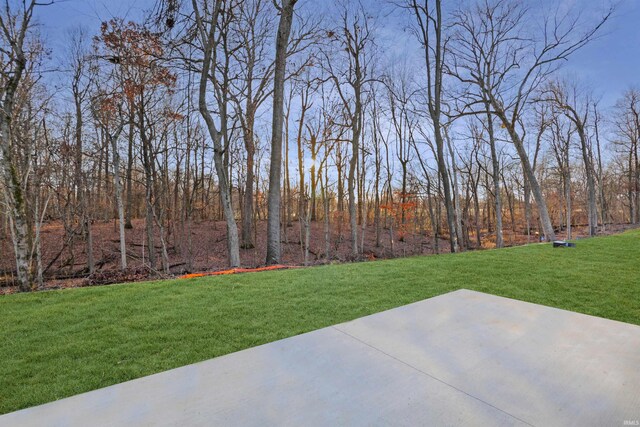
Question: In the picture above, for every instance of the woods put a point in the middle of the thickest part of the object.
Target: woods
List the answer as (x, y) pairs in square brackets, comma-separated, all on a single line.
[(206, 134)]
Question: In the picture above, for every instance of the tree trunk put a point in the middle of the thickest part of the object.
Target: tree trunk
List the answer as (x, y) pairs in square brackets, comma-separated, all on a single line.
[(147, 159), (287, 178), (434, 95), (376, 206), (456, 192), (209, 40), (129, 178), (601, 183), (18, 216), (567, 195), (547, 226), (446, 185), (275, 170), (527, 208), (592, 208), (325, 203), (113, 139), (305, 220), (636, 184), (495, 163), (233, 243), (247, 215), (351, 184), (15, 197)]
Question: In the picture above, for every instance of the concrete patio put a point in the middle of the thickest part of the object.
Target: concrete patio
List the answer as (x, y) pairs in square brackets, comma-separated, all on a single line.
[(463, 358)]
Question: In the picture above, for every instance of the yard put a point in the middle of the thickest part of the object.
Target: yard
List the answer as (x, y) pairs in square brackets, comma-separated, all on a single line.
[(60, 343)]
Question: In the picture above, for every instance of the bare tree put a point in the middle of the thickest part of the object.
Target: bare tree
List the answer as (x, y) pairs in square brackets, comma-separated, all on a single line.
[(208, 21), (124, 142), (81, 83), (251, 89), (561, 135), (15, 54), (354, 39), (429, 30), (627, 139), (496, 53), (600, 170), (108, 112), (577, 108), (275, 173), (400, 98)]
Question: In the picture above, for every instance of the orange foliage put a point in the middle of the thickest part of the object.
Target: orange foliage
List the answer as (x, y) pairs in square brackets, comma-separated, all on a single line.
[(137, 52), (400, 208), (173, 115), (235, 271)]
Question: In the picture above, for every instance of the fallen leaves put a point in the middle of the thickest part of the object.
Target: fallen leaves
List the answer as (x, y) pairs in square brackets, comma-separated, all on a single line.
[(236, 271)]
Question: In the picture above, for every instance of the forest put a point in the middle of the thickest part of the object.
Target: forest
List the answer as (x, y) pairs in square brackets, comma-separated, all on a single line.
[(214, 134)]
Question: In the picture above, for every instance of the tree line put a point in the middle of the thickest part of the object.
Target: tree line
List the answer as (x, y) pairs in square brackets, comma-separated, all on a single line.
[(253, 110)]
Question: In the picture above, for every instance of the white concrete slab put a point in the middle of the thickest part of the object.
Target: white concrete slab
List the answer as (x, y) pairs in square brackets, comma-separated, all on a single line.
[(464, 358)]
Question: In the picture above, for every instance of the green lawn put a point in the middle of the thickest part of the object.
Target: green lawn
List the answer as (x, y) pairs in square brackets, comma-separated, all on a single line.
[(59, 343)]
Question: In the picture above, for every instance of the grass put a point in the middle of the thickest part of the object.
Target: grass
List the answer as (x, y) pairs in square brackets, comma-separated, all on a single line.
[(60, 343)]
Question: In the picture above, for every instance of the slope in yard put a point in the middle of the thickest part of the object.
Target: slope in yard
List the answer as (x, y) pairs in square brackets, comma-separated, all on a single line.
[(60, 343), (65, 261)]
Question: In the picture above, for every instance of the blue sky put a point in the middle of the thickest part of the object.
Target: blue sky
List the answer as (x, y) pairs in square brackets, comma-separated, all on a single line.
[(609, 65)]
